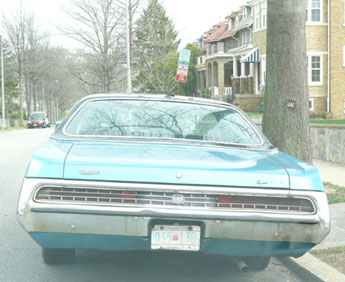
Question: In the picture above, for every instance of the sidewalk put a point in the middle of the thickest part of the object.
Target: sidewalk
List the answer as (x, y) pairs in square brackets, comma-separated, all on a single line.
[(335, 174), (331, 172)]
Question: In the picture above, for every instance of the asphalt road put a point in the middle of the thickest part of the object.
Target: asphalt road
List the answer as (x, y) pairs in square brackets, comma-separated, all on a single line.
[(20, 256)]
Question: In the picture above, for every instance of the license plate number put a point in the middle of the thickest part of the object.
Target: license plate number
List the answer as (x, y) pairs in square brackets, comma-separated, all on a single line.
[(175, 237)]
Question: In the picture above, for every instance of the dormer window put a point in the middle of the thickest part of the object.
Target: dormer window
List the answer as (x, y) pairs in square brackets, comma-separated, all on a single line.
[(245, 13)]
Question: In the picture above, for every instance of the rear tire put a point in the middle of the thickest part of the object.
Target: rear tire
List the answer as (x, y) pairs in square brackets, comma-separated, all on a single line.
[(57, 256), (257, 263)]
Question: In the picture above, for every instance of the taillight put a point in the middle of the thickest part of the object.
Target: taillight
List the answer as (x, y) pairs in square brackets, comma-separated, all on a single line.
[(129, 197), (224, 201)]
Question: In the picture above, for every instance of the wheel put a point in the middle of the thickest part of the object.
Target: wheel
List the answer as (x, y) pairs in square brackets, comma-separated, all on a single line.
[(57, 256), (257, 263)]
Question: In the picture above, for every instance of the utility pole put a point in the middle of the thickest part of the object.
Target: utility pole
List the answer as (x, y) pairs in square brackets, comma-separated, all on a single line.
[(3, 125), (128, 50)]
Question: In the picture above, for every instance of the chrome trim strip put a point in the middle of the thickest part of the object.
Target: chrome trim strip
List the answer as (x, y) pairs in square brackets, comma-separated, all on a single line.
[(141, 98), (177, 213)]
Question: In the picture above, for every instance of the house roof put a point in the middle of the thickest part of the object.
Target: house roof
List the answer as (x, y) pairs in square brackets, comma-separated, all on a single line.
[(219, 29), (234, 13)]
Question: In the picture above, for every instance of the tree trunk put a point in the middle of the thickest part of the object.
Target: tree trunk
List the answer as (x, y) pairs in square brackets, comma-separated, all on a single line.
[(34, 95), (27, 97), (286, 113), (21, 102)]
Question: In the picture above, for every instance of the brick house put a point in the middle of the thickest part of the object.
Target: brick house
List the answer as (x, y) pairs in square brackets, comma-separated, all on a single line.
[(240, 69)]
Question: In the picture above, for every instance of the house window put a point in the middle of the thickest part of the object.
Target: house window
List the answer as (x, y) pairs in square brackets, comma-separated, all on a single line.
[(311, 104), (257, 18), (315, 65), (315, 69), (264, 14), (263, 70), (313, 11)]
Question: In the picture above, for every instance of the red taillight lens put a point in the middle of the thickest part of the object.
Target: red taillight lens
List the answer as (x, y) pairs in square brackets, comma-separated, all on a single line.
[(129, 197), (224, 201)]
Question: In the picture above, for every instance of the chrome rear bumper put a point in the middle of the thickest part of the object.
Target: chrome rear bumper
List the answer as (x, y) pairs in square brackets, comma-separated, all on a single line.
[(123, 220)]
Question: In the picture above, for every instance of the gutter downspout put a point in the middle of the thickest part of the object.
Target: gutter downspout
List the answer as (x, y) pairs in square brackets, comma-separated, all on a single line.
[(329, 58)]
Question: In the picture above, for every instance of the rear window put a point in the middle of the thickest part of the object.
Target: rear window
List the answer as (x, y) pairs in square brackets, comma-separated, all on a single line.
[(159, 119), (37, 117)]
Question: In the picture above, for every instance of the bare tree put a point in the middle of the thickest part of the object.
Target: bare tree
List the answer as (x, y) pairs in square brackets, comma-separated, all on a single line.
[(14, 29), (27, 43), (286, 115), (98, 25), (57, 89)]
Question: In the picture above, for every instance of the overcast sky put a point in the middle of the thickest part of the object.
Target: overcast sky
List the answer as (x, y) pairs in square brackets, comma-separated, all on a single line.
[(191, 17)]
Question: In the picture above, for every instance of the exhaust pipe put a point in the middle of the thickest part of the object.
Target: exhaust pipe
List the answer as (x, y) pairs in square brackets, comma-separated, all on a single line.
[(241, 265)]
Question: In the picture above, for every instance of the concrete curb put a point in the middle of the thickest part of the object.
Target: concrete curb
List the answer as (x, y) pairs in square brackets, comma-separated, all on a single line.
[(300, 271), (311, 268)]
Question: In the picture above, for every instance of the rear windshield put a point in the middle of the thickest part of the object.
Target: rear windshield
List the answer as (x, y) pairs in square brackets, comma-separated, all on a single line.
[(37, 117), (159, 119)]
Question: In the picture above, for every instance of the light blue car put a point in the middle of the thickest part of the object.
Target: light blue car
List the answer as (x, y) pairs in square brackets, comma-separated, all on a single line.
[(153, 172)]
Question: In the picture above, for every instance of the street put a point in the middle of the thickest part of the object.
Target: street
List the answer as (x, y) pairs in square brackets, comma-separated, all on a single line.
[(20, 256)]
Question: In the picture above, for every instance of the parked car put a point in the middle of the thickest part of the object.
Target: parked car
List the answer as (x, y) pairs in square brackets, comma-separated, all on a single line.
[(149, 172), (38, 119)]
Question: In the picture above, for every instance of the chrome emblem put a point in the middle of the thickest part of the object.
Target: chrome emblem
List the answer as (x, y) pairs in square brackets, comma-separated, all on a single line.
[(260, 182), (89, 172), (177, 199)]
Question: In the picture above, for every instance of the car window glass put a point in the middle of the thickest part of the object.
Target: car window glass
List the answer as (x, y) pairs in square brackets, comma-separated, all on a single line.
[(162, 120), (37, 117)]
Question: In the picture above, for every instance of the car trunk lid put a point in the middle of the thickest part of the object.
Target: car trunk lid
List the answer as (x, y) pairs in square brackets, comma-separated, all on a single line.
[(173, 164)]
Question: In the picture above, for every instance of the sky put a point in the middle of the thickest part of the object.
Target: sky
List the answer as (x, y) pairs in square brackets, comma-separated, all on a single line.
[(191, 17)]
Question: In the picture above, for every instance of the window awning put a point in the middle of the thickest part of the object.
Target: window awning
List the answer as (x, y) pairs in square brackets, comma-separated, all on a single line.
[(252, 56)]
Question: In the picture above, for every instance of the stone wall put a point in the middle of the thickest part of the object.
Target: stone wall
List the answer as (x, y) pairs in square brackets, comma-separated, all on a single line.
[(248, 103), (328, 143)]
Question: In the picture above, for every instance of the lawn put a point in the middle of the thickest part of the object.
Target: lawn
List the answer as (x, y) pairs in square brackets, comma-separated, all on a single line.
[(335, 193), (327, 121), (333, 256)]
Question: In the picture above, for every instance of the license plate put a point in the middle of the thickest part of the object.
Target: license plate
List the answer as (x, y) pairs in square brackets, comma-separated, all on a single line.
[(175, 237)]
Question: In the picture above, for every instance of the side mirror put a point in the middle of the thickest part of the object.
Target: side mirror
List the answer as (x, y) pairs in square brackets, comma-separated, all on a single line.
[(57, 124)]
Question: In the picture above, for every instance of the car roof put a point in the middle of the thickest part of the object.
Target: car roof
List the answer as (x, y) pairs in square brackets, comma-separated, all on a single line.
[(160, 97), (38, 113)]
